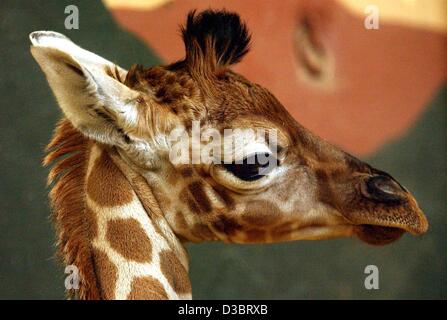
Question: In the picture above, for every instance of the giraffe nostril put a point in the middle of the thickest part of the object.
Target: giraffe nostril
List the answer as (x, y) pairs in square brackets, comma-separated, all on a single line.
[(382, 188)]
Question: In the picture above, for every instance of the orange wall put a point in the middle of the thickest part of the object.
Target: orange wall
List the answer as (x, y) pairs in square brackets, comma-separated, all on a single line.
[(355, 87)]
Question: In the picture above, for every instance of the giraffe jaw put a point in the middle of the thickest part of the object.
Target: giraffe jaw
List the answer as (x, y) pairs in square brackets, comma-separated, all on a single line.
[(370, 234), (378, 235)]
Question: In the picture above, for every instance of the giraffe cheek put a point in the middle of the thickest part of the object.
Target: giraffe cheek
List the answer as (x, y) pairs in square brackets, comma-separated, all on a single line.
[(203, 232), (261, 213), (227, 226), (256, 235)]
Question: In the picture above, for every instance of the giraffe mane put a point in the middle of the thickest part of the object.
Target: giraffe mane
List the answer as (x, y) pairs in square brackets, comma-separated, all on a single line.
[(68, 153)]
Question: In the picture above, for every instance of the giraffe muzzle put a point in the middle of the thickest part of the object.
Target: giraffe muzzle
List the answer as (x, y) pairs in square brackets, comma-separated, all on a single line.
[(386, 210)]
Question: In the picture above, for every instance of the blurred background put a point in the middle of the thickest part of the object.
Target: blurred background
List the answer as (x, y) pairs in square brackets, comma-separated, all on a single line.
[(380, 94)]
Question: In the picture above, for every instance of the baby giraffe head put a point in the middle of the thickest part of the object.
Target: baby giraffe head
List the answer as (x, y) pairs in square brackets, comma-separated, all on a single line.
[(281, 185)]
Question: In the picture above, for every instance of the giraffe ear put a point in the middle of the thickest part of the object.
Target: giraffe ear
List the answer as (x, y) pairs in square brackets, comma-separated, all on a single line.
[(214, 39), (88, 88)]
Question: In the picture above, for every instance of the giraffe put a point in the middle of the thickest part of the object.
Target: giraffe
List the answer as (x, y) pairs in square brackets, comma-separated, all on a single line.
[(124, 211)]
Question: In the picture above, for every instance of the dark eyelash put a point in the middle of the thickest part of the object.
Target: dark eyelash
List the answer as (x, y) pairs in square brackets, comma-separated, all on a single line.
[(253, 167)]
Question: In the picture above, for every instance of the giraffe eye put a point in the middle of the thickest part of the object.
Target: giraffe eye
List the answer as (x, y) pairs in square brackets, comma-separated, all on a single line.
[(253, 167)]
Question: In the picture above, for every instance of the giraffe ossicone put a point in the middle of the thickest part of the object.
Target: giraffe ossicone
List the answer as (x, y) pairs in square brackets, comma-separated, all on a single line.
[(124, 209)]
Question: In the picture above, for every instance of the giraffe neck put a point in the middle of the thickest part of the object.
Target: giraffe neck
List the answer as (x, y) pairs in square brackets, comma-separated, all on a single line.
[(135, 253)]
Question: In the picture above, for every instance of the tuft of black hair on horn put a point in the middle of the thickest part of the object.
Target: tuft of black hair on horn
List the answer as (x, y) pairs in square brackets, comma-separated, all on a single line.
[(219, 33)]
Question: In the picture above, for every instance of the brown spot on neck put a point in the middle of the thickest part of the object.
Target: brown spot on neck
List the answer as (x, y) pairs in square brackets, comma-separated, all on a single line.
[(107, 185), (174, 272), (130, 240), (147, 288), (106, 273)]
